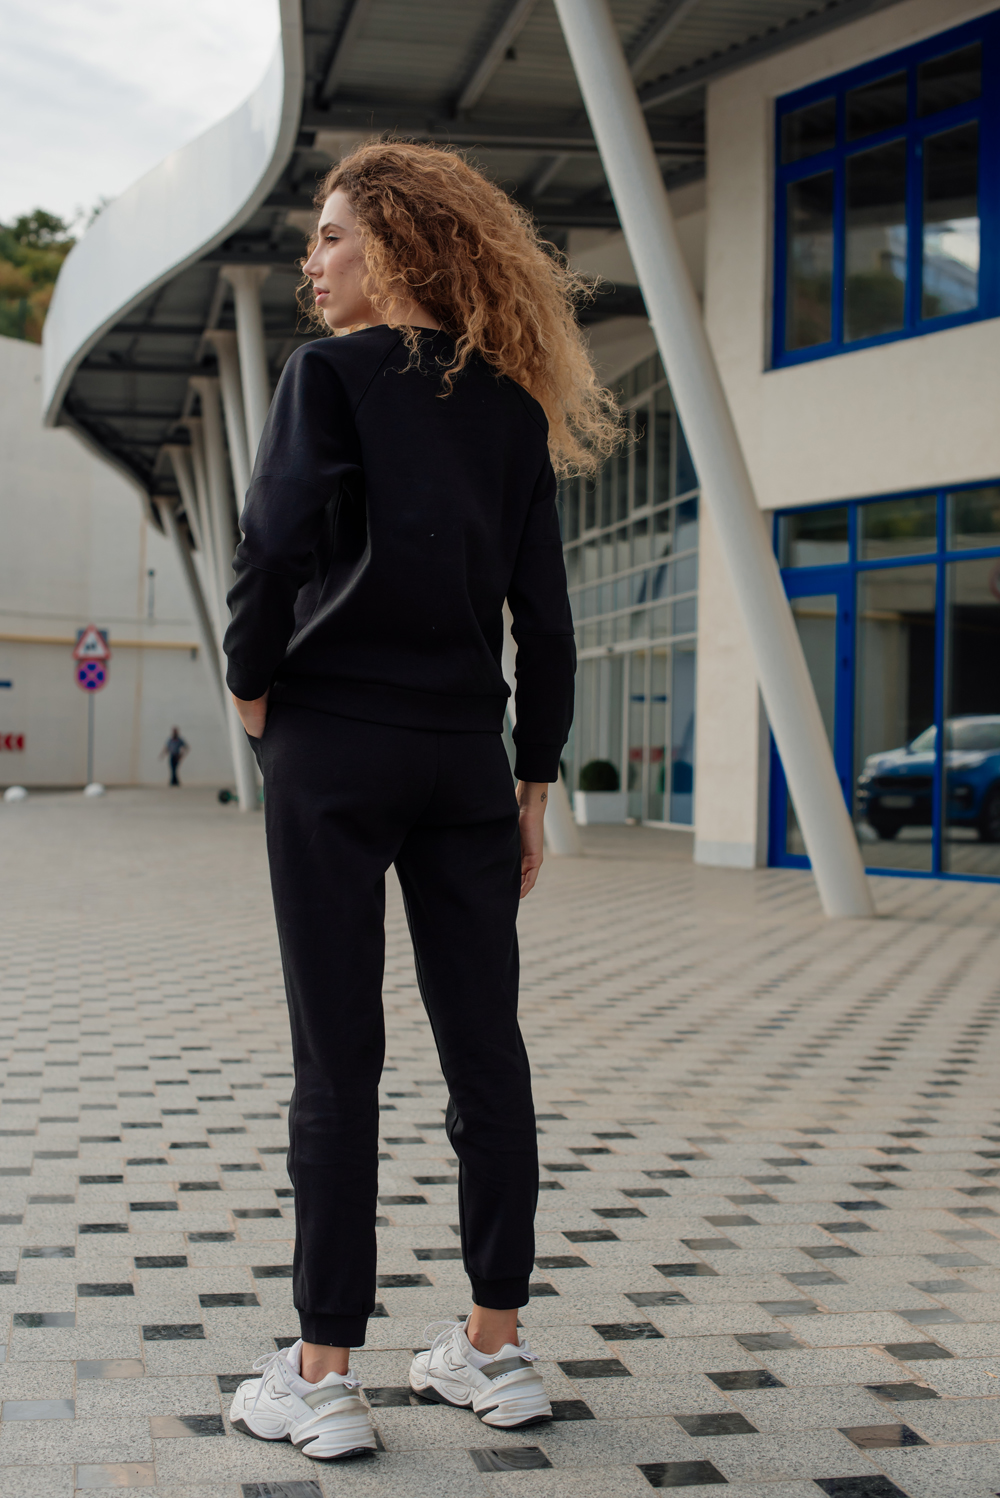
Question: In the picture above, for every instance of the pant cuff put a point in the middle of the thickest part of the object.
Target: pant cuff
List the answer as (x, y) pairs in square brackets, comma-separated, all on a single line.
[(333, 1331), (500, 1295)]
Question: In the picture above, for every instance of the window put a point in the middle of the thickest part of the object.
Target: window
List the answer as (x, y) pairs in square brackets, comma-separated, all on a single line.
[(886, 196)]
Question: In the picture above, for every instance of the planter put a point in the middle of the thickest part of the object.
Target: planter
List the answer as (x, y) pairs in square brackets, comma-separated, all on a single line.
[(590, 807)]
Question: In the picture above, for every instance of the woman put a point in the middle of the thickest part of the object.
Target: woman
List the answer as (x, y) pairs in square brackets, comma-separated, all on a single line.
[(403, 490)]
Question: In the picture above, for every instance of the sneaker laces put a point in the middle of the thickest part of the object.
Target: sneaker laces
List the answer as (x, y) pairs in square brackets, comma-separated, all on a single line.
[(269, 1363), (449, 1330)]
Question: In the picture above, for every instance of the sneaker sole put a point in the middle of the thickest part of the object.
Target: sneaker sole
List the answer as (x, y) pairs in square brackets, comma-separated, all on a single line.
[(434, 1396), (339, 1456)]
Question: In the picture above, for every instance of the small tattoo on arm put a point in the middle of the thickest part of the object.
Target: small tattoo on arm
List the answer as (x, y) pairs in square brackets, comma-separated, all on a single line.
[(544, 796)]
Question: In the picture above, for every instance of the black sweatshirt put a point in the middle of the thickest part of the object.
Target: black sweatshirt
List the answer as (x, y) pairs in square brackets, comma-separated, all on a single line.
[(384, 527)]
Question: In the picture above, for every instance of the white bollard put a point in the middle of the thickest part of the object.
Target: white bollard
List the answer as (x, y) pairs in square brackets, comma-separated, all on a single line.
[(15, 793), (93, 789)]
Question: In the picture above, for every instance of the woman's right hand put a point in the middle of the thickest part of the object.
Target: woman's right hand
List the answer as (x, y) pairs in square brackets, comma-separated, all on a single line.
[(532, 797), (253, 715)]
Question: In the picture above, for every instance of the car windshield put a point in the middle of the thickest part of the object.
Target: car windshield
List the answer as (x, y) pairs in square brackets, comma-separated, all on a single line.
[(970, 734)]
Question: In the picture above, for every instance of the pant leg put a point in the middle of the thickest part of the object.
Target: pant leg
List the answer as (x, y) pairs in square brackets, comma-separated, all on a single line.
[(174, 762), (339, 795), (459, 868)]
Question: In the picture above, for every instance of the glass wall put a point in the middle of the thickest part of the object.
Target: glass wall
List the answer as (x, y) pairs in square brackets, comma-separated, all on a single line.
[(897, 603), (631, 546)]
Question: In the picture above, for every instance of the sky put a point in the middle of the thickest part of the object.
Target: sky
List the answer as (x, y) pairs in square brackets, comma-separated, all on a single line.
[(95, 92)]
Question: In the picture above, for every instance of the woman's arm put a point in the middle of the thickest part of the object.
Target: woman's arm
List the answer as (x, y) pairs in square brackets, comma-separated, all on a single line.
[(532, 797)]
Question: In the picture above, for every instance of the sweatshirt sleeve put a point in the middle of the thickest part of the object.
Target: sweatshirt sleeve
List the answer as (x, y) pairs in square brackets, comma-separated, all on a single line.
[(543, 631), (307, 450)]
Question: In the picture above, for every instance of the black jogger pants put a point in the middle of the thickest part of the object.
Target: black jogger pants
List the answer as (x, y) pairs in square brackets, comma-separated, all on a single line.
[(343, 800)]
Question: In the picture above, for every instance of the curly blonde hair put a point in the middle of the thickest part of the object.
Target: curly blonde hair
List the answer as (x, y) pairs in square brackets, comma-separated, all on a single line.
[(435, 231)]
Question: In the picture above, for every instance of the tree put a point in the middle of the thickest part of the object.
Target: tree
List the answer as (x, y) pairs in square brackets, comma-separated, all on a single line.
[(32, 250)]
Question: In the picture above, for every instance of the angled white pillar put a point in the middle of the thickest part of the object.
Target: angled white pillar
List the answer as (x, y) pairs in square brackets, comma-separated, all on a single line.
[(641, 199), (202, 617), (206, 539), (223, 340), (246, 281), (224, 533), (180, 461), (561, 836)]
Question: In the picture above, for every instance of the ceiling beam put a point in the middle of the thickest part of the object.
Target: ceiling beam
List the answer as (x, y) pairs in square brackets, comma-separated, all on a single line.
[(492, 135), (477, 80), (664, 23), (833, 14), (343, 48)]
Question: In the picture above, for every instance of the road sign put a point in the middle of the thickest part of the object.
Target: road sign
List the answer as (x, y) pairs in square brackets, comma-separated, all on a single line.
[(91, 645), (91, 675)]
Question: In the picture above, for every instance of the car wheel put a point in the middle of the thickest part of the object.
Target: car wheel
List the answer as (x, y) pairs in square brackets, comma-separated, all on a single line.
[(883, 828), (989, 817)]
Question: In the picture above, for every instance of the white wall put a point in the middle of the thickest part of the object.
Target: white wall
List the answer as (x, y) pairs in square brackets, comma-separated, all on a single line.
[(75, 549), (914, 413)]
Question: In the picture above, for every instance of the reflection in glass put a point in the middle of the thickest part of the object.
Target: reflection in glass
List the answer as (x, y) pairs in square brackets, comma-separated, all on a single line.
[(894, 706), (640, 457), (974, 518), (637, 740), (806, 132), (951, 222), (971, 841), (875, 269), (816, 621), (810, 261), (661, 447), (687, 524), (681, 807), (687, 479), (658, 719), (813, 538), (946, 81), (897, 527), (876, 106)]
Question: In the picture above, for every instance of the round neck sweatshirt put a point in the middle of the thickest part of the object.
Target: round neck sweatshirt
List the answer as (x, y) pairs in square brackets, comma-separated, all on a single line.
[(386, 523)]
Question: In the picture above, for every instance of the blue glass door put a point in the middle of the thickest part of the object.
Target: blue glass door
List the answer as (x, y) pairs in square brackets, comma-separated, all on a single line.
[(823, 608)]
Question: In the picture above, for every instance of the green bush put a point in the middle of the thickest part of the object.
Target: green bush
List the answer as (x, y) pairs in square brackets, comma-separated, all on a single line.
[(599, 775)]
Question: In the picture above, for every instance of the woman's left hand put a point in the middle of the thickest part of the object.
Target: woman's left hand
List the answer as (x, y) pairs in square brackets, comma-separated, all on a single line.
[(253, 715)]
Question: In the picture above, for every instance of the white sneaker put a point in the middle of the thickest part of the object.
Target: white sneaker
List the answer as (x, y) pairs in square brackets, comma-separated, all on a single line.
[(506, 1391), (326, 1421)]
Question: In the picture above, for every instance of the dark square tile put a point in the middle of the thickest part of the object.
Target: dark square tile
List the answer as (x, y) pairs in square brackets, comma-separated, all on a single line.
[(732, 1220), (401, 1281), (667, 1175), (613, 1214), (161, 1261), (708, 1245), (680, 1474), (789, 1307), (38, 1409), (243, 1214), (815, 1277), (182, 1331), (591, 1235), (746, 1378), (199, 1185), (427, 1255), (272, 1271), (403, 1201), (785, 1162), (594, 1368), (623, 1134), (436, 1180), (639, 1193), (561, 1261), (882, 1437), (539, 1288), (379, 1310), (771, 1180), (395, 1397), (716, 1425), (188, 1144), (589, 1149), (628, 1331), (98, 1291), (749, 1199), (862, 1206), (657, 1298), (170, 1427), (147, 1159), (571, 1409), (872, 1486), (915, 1352), (229, 1382), (110, 1368), (211, 1237), (901, 1393), (8, 1276), (944, 1287), (167, 1206), (687, 1271), (840, 1228), (509, 1458), (100, 1180), (11, 1219), (559, 1166), (930, 1316), (103, 1227), (232, 1298), (551, 1186), (56, 1251), (31, 1320), (831, 1251), (51, 1200)]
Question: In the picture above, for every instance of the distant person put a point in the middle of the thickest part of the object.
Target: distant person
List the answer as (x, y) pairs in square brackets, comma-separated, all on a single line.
[(174, 750)]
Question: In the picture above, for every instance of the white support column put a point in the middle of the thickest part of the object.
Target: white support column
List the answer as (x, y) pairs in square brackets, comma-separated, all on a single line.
[(203, 619), (561, 836), (223, 340), (623, 140), (180, 460), (224, 535), (246, 281), (206, 540)]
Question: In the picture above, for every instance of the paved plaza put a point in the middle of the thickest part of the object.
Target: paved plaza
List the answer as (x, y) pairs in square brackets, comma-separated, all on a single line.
[(768, 1238)]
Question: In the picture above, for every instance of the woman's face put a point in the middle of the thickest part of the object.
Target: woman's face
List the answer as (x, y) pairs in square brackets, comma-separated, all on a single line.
[(337, 266)]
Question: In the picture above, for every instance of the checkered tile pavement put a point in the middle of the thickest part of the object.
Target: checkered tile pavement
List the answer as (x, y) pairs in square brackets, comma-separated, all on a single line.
[(768, 1238)]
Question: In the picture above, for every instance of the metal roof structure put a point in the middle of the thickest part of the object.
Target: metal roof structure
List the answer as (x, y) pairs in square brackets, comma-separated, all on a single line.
[(127, 330)]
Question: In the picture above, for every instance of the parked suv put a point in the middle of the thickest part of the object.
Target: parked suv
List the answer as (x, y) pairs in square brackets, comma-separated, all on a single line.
[(895, 787)]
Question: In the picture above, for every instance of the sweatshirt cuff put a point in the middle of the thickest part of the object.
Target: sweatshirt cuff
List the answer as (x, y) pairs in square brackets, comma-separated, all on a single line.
[(537, 762), (244, 684)]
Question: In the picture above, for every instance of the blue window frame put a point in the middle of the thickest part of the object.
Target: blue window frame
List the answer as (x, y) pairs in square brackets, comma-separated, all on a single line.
[(887, 198), (897, 603)]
